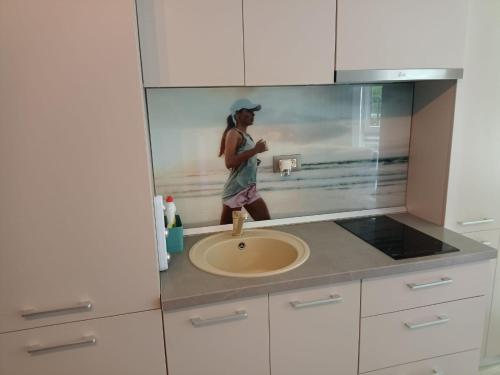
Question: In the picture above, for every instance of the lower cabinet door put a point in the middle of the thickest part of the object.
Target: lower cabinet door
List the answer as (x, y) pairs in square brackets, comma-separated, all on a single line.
[(466, 363), (417, 334), (128, 344), (230, 338), (315, 331), (491, 337)]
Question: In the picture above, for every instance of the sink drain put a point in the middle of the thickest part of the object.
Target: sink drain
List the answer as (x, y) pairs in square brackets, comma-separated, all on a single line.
[(241, 245)]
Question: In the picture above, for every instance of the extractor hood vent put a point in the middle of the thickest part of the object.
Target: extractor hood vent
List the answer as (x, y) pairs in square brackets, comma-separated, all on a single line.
[(395, 75)]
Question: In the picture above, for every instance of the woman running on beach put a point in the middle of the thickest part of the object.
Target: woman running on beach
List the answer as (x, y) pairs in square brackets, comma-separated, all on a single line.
[(240, 155)]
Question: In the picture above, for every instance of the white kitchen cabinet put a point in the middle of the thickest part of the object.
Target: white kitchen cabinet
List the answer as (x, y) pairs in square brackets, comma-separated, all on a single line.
[(293, 332), (422, 315), (191, 42), (423, 288), (400, 34), (222, 338), (322, 327), (289, 42), (416, 334), (492, 320), (128, 344), (474, 180), (316, 330), (492, 348), (464, 363), (236, 43), (76, 193), (491, 338)]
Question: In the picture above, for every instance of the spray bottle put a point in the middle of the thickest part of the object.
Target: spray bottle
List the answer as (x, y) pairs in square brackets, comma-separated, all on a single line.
[(170, 211)]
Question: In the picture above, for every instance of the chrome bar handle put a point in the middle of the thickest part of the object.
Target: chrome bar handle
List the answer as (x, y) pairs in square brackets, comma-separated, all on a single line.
[(33, 313), (479, 221), (237, 315), (86, 340), (334, 298), (442, 281), (487, 243), (441, 319)]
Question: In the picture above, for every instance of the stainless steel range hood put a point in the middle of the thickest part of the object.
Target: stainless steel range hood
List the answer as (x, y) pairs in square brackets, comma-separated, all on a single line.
[(396, 75)]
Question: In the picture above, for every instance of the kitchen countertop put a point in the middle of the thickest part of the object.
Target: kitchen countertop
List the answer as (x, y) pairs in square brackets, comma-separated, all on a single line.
[(336, 256)]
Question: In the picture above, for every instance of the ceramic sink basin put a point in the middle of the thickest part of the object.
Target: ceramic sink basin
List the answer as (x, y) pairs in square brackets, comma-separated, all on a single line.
[(256, 253)]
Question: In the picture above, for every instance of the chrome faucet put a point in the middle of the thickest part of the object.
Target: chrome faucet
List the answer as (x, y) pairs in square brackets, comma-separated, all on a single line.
[(238, 219)]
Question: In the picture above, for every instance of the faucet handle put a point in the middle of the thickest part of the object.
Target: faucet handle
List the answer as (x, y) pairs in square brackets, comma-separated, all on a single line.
[(238, 218)]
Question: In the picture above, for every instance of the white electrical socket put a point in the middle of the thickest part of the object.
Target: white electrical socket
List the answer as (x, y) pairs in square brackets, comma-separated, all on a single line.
[(295, 159)]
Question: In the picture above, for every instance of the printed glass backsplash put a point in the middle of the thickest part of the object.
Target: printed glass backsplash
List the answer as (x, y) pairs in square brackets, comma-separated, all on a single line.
[(353, 140)]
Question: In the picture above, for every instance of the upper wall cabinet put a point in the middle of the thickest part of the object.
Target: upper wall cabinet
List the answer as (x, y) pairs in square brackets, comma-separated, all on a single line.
[(191, 42), (289, 42), (236, 43), (400, 34)]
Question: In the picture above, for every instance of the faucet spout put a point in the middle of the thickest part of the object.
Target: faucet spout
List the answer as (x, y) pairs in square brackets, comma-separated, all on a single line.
[(239, 218)]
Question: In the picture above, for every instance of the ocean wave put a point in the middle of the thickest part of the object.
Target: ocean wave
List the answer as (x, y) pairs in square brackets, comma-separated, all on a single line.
[(401, 181), (333, 175)]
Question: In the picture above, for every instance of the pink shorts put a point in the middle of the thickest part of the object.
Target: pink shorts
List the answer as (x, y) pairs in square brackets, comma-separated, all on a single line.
[(244, 197)]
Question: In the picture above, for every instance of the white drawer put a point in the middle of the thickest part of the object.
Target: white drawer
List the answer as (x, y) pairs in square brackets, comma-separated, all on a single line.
[(315, 328), (222, 338), (410, 290), (483, 219), (466, 363), (417, 334), (127, 345), (486, 237)]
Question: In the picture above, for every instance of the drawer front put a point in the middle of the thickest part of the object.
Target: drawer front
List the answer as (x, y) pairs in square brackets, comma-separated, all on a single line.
[(417, 334), (127, 345), (320, 326), (224, 338), (476, 219), (410, 290), (486, 237), (466, 363)]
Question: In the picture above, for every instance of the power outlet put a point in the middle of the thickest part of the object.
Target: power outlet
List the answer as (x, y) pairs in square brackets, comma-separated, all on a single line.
[(296, 162)]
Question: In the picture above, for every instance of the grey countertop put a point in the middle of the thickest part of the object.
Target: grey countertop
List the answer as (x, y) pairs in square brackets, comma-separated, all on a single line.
[(336, 256)]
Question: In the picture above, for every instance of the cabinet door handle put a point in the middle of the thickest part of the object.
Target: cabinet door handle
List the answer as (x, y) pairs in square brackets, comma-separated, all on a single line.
[(442, 281), (237, 315), (334, 298), (437, 372), (479, 221), (34, 313), (487, 243), (441, 319), (86, 340)]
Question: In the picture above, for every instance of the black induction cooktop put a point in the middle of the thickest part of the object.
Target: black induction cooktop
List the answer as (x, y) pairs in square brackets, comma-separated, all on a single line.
[(395, 239)]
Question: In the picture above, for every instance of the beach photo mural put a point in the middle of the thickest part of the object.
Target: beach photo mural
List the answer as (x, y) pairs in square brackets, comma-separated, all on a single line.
[(353, 141)]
